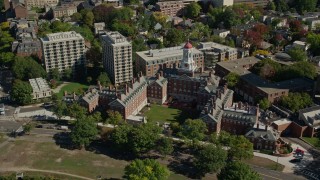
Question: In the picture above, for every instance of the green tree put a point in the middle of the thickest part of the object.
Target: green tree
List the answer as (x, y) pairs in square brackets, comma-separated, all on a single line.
[(298, 54), (60, 109), (55, 74), (114, 117), (210, 159), (271, 6), (174, 37), (27, 128), (146, 169), (232, 79), (58, 26), (120, 137), (26, 68), (6, 58), (76, 17), (296, 101), (104, 79), (68, 74), (225, 138), (85, 31), (240, 148), (76, 111), (238, 170), (96, 116), (88, 18), (193, 129), (193, 10), (84, 131), (21, 92), (305, 5), (264, 103), (314, 41), (165, 146)]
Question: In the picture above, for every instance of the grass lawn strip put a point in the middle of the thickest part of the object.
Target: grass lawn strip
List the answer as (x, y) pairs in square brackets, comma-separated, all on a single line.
[(73, 87), (313, 141)]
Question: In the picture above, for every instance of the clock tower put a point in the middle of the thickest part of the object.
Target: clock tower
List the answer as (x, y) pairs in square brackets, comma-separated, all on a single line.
[(188, 66)]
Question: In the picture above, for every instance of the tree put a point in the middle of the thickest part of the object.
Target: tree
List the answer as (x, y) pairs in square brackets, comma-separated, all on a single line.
[(68, 74), (174, 37), (84, 131), (238, 170), (210, 159), (55, 74), (85, 31), (165, 146), (6, 58), (193, 10), (120, 137), (114, 117), (271, 6), (305, 5), (264, 103), (225, 138), (21, 92), (26, 68), (314, 41), (104, 79), (232, 79), (76, 17), (296, 101), (88, 18), (298, 54), (193, 129), (96, 116), (27, 128), (60, 109), (76, 111), (240, 148), (146, 169)]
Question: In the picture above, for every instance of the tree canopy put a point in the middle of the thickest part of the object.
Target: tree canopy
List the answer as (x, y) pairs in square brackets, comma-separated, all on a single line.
[(209, 159), (238, 170), (165, 146), (147, 169), (298, 54), (193, 10), (114, 117), (21, 92), (232, 79), (296, 101), (314, 41), (240, 148), (104, 79), (264, 103), (26, 68), (84, 131), (193, 129)]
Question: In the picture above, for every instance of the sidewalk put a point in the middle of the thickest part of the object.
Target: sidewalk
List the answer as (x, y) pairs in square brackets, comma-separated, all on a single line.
[(289, 166)]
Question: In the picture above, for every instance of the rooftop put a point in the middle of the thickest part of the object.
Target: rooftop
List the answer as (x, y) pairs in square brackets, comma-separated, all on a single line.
[(115, 38), (62, 36), (258, 133), (39, 85)]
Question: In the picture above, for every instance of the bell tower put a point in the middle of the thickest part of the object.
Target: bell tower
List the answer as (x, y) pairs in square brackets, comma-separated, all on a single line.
[(188, 66)]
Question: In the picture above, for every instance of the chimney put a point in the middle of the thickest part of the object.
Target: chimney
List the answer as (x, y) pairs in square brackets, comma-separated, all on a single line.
[(158, 75), (161, 73), (219, 93), (119, 96), (206, 109), (240, 105), (212, 112), (248, 109), (225, 87), (140, 73), (65, 93), (214, 105), (126, 88), (257, 125), (131, 84), (210, 73), (235, 107), (266, 128), (222, 106)]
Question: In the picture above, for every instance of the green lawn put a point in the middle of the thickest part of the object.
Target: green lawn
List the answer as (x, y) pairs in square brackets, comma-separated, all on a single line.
[(263, 162), (73, 87), (158, 113), (313, 141)]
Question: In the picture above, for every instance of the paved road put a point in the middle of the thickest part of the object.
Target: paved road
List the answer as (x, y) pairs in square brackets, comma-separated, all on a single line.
[(275, 175), (311, 170)]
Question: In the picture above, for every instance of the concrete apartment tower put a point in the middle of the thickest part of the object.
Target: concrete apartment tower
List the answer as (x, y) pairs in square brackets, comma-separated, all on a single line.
[(65, 50), (117, 57)]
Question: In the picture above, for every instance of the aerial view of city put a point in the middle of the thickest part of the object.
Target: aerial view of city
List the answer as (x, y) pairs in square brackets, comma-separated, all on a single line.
[(159, 89)]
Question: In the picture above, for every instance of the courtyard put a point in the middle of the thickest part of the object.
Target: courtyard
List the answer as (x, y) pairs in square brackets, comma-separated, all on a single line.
[(72, 87), (162, 114)]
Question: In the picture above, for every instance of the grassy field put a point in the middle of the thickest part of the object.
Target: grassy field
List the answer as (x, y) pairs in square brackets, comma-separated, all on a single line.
[(162, 114), (49, 156), (39, 174), (266, 163), (73, 87), (313, 141)]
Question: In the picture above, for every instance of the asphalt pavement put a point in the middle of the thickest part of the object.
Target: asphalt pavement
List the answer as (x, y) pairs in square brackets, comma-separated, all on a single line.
[(277, 175)]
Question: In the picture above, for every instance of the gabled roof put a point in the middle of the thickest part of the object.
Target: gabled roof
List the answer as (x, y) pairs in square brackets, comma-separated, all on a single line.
[(262, 134)]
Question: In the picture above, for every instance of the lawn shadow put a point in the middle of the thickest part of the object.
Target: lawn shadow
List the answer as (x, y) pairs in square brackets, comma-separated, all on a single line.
[(185, 114), (184, 167), (63, 140)]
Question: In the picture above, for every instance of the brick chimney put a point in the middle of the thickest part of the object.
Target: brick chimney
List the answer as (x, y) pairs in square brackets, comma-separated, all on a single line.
[(161, 73), (158, 76), (258, 125), (212, 112), (131, 84), (225, 87), (206, 109), (210, 73), (126, 88), (99, 85)]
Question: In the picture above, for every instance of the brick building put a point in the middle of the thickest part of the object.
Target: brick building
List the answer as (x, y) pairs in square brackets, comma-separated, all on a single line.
[(252, 87), (157, 89), (264, 139), (90, 100), (25, 45), (170, 8), (63, 11), (152, 61), (133, 99)]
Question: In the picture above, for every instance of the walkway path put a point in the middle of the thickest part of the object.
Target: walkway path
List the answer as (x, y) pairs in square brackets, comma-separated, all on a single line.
[(57, 89), (23, 169)]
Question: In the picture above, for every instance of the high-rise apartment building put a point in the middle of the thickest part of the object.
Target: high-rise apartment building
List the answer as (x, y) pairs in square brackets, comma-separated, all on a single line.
[(262, 3), (65, 50), (117, 57)]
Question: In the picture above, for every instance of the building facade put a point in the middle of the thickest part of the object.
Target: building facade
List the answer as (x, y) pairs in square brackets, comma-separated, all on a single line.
[(64, 51), (152, 61), (41, 3), (27, 46), (117, 57), (170, 8), (64, 11), (40, 88), (261, 3), (157, 89)]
